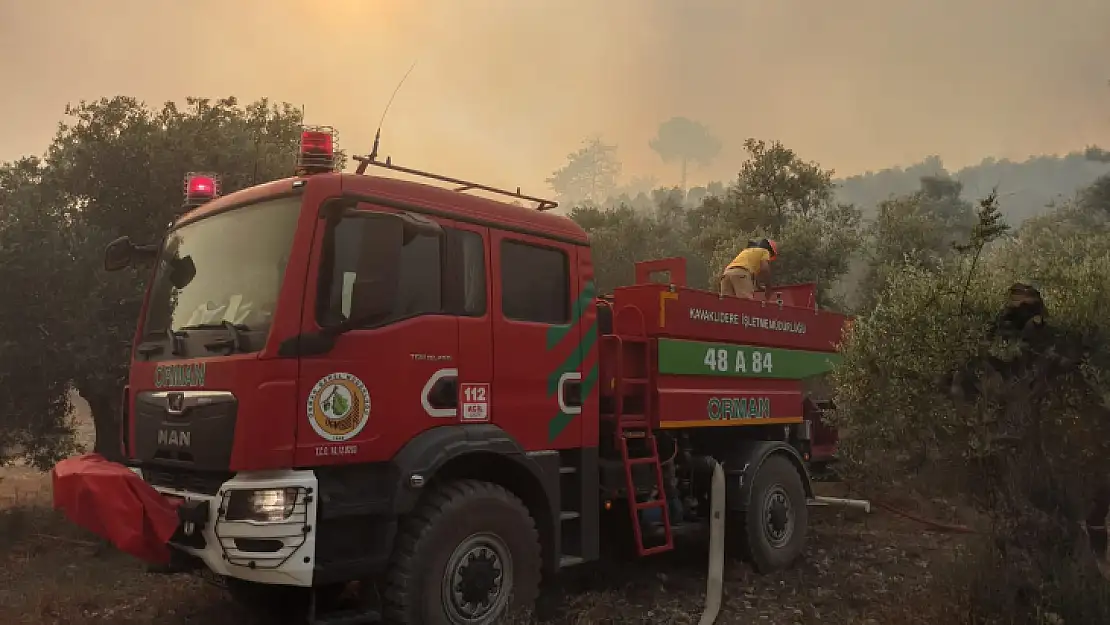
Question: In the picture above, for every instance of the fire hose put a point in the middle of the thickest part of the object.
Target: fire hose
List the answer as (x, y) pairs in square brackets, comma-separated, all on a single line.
[(937, 525), (716, 578)]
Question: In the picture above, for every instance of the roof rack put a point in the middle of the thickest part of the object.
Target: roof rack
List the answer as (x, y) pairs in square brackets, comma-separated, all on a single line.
[(464, 185)]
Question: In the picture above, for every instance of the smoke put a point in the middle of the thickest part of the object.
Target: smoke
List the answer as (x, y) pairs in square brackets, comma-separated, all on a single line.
[(504, 89)]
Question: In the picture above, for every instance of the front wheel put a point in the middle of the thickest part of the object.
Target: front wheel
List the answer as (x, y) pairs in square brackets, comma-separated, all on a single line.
[(776, 520), (466, 556)]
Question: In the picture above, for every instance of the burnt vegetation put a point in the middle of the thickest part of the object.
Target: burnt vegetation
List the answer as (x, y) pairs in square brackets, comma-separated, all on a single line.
[(977, 370)]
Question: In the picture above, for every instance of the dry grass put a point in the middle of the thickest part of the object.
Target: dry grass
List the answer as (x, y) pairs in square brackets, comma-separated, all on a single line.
[(875, 569)]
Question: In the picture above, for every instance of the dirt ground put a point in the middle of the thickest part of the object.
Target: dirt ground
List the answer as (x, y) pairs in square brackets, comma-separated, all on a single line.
[(873, 569)]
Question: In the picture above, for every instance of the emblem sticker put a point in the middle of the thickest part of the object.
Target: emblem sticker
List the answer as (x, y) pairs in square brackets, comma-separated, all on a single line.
[(339, 407)]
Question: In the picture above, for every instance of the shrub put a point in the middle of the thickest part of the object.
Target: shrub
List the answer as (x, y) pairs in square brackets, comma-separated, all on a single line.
[(1018, 424)]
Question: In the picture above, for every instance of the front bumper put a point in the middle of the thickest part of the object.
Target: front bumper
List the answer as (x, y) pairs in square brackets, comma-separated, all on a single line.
[(271, 552)]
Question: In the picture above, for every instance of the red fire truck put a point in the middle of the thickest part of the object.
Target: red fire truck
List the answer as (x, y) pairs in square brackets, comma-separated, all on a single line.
[(344, 377)]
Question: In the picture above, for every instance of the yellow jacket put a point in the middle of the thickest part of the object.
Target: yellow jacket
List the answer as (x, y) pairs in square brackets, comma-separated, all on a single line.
[(751, 259)]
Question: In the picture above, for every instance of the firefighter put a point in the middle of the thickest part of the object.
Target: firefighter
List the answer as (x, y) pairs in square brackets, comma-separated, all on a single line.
[(1022, 316), (750, 269)]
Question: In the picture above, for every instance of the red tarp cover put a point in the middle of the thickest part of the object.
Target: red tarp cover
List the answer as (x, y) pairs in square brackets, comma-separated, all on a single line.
[(111, 501)]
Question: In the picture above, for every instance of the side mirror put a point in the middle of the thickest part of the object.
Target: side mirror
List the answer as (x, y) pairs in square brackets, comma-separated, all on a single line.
[(182, 272), (118, 254)]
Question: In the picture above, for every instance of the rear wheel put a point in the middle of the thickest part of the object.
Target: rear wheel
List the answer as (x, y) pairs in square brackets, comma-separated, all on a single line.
[(777, 519), (467, 556)]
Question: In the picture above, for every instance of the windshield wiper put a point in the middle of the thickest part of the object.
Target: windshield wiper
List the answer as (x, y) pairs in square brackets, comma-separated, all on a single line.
[(151, 346), (234, 342)]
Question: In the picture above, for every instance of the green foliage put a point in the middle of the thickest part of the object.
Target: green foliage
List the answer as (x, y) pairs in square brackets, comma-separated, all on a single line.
[(779, 195), (590, 174), (928, 393), (988, 225), (892, 394), (921, 229), (1095, 200), (622, 236), (115, 167), (34, 376), (776, 194)]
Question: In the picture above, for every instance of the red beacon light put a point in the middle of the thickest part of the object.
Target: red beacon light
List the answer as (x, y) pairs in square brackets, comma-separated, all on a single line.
[(317, 151), (200, 188)]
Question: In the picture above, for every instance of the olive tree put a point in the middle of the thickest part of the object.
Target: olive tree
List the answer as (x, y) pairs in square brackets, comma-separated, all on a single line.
[(935, 391), (116, 167)]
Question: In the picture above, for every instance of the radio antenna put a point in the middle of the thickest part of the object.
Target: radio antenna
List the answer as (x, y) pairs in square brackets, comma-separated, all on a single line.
[(378, 133)]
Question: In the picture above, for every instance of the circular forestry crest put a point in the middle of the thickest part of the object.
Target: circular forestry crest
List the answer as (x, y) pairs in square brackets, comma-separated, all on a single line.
[(339, 407)]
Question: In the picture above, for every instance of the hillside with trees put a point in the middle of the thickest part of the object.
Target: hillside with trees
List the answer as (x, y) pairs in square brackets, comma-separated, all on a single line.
[(1028, 188), (935, 396)]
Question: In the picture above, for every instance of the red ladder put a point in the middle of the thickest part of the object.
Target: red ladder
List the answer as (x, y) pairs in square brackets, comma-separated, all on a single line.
[(637, 425)]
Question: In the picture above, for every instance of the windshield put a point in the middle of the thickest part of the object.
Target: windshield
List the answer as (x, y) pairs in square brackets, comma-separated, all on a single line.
[(226, 268)]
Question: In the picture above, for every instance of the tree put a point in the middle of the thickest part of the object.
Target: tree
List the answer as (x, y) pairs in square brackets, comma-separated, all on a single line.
[(1096, 199), (37, 364), (778, 195), (622, 235), (590, 174), (919, 229), (117, 167), (685, 140), (779, 185)]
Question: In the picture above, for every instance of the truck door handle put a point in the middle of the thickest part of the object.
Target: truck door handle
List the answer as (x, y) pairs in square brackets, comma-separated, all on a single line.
[(570, 392)]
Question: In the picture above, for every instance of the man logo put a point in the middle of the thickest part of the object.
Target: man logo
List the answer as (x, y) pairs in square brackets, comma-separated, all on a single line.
[(175, 403), (175, 438)]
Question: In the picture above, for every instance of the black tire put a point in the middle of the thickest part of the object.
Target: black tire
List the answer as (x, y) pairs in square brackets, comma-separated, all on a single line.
[(459, 524), (777, 519)]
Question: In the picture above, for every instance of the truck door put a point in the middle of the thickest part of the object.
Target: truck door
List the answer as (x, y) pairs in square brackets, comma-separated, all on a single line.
[(536, 353), (467, 296), (393, 375)]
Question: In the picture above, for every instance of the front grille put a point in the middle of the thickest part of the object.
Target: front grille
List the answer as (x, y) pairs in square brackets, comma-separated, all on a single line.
[(147, 407), (198, 438), (201, 482)]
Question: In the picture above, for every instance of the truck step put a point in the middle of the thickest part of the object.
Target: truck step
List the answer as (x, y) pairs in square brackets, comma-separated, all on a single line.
[(566, 470), (565, 561), (635, 461), (347, 617), (568, 515), (650, 551), (628, 420)]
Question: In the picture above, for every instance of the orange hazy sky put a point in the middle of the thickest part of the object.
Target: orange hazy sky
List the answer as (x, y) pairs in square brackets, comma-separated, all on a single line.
[(504, 89)]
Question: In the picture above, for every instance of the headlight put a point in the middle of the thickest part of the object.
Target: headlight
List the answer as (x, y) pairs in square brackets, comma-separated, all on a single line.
[(270, 505)]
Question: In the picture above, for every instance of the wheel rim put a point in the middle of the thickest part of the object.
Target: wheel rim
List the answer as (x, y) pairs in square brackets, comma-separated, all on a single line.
[(478, 579), (778, 517)]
